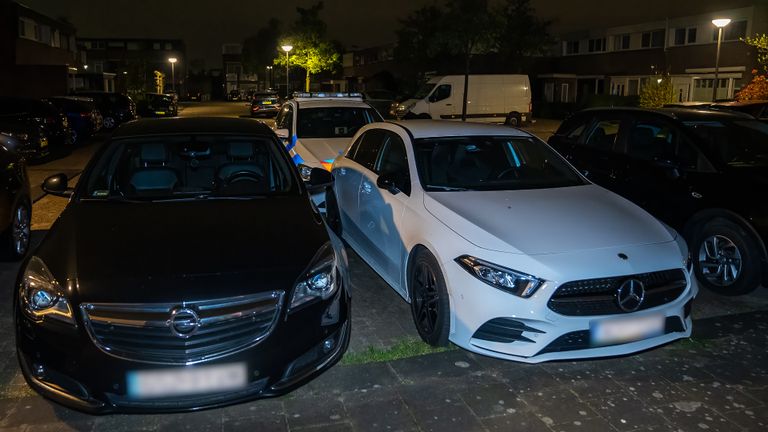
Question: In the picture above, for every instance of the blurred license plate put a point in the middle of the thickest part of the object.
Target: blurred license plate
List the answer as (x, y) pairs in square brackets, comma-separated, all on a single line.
[(614, 331), (160, 112), (186, 381), (267, 102)]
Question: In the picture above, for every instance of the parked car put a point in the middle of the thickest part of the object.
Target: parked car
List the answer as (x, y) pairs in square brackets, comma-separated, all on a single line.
[(25, 136), (501, 247), (235, 95), (115, 108), (755, 108), (15, 202), (381, 100), (83, 117), (158, 105), (492, 99), (317, 127), (265, 104), (701, 171), (53, 122), (130, 304)]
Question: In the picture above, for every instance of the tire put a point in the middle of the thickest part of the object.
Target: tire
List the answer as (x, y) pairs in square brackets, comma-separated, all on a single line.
[(424, 116), (430, 306), (726, 258), (15, 239), (513, 120), (332, 212)]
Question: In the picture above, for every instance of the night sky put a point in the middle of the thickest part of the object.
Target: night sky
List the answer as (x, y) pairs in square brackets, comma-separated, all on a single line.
[(205, 25)]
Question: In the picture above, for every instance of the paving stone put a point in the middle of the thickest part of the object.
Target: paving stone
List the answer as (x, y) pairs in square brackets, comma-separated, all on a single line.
[(721, 397), (381, 414), (654, 391), (447, 417), (200, 421), (259, 408), (435, 366), (127, 423), (557, 405), (756, 418), (694, 416), (492, 400), (584, 425), (36, 410), (423, 397), (518, 421), (267, 424), (627, 413), (747, 375), (341, 379), (593, 386), (306, 412), (338, 427)]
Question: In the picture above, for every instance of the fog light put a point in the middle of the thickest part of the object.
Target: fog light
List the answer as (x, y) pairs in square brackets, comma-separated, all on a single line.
[(328, 345)]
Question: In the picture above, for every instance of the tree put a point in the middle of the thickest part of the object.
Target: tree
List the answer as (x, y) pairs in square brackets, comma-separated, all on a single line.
[(657, 93), (311, 51), (259, 49), (760, 42), (418, 39), (520, 34), (757, 89)]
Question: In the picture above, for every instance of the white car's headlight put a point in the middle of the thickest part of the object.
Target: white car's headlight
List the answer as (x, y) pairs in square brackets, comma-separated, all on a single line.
[(320, 281), (508, 280), (41, 295)]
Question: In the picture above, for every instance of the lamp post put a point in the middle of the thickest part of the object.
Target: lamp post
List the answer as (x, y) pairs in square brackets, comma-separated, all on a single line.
[(719, 23), (269, 77), (173, 61), (287, 49)]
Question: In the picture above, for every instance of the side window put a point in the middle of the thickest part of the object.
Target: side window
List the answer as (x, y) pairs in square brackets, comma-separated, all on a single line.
[(442, 91), (574, 128), (652, 140), (603, 135), (687, 155), (353, 148), (368, 150), (394, 161)]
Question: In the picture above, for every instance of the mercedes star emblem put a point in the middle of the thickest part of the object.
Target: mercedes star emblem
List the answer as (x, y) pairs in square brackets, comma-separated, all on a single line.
[(630, 295)]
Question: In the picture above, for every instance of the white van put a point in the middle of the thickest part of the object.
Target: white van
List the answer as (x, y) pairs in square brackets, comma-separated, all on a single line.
[(491, 99)]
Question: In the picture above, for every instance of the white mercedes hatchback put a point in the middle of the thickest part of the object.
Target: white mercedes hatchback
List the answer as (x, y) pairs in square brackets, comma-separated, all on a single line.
[(503, 248)]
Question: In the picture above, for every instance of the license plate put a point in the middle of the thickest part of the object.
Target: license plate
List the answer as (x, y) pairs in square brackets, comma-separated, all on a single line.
[(267, 103), (186, 381), (616, 331), (160, 112)]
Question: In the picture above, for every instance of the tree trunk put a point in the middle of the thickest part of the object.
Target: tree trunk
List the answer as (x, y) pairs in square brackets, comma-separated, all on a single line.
[(307, 85), (466, 84)]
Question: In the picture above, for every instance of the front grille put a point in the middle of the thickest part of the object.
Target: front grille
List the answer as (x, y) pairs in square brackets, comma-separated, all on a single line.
[(203, 330), (598, 296), (582, 339)]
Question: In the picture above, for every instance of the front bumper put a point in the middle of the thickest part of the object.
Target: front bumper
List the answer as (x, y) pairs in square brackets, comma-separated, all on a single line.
[(62, 363), (540, 333)]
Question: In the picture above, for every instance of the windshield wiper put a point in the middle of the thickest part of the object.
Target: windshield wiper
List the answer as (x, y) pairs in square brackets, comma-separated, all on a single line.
[(447, 188)]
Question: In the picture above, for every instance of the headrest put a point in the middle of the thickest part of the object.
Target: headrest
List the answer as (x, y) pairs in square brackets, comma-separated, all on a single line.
[(154, 152)]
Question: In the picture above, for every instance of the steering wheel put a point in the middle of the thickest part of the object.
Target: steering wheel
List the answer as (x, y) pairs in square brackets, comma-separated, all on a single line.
[(239, 176), (507, 171)]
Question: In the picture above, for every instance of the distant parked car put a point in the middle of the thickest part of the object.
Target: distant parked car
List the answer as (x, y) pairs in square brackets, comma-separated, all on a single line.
[(116, 108), (265, 104), (704, 172), (235, 95), (82, 115), (15, 202), (53, 122), (756, 108), (158, 105), (25, 137)]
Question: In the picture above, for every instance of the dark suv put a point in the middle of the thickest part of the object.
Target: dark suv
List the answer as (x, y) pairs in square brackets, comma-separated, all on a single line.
[(704, 172), (115, 108)]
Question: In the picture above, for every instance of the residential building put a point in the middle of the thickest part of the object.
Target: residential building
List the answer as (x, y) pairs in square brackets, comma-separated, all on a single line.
[(236, 79), (621, 60), (37, 53), (127, 65), (371, 68)]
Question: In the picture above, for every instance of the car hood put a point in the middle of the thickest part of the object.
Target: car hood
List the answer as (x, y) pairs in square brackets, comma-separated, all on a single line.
[(546, 221), (157, 252), (321, 149)]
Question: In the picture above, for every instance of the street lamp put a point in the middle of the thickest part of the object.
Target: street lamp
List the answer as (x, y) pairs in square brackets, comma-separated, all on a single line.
[(173, 61), (719, 23), (287, 49), (269, 77)]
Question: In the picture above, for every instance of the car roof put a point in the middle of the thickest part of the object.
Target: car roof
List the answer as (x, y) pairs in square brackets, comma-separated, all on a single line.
[(192, 125), (331, 103), (443, 128), (679, 113), (741, 103)]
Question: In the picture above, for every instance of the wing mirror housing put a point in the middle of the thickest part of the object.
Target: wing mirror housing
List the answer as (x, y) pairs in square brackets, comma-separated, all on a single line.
[(388, 182), (283, 133), (57, 185)]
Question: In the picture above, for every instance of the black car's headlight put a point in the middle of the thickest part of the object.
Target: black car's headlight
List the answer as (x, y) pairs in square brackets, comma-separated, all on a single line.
[(508, 280), (320, 280), (41, 295)]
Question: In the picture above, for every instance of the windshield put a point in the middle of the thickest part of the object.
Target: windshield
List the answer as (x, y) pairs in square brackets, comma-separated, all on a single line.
[(333, 122), (491, 163), (189, 167), (736, 143), (424, 91)]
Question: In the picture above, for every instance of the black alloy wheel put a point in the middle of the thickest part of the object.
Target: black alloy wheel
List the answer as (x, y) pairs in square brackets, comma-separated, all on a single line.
[(430, 306)]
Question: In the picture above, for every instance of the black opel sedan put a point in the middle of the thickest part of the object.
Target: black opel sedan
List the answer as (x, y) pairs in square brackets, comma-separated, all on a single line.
[(189, 270), (704, 172)]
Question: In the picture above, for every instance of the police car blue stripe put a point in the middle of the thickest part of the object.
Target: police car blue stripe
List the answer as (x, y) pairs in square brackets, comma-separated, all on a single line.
[(297, 159), (291, 144)]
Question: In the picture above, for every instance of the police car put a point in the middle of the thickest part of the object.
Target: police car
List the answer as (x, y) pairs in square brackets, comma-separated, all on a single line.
[(317, 127)]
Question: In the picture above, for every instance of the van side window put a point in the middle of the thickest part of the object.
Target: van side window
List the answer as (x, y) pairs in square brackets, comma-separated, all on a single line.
[(443, 91)]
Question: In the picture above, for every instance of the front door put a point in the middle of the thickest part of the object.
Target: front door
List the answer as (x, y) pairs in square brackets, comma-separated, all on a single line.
[(681, 92), (441, 102)]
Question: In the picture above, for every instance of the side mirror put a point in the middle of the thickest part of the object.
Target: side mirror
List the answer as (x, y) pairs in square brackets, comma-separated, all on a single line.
[(57, 185), (283, 133), (432, 98), (318, 177), (387, 181)]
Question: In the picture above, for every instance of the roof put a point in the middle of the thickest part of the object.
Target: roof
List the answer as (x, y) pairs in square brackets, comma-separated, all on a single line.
[(445, 128), (741, 103), (192, 125), (331, 103), (680, 113)]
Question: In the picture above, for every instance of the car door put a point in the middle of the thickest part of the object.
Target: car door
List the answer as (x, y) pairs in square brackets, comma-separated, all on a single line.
[(382, 207), (441, 102)]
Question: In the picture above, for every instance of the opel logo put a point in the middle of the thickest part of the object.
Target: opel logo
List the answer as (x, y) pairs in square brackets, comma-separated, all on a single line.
[(184, 322), (630, 295)]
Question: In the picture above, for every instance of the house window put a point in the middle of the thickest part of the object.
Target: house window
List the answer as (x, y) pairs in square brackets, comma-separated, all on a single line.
[(156, 46), (572, 47), (549, 92), (685, 36), (116, 44), (132, 46), (733, 31), (692, 35), (654, 39), (22, 28), (680, 36), (597, 45), (621, 42)]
